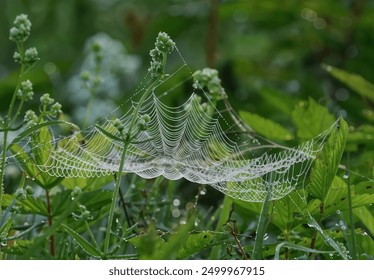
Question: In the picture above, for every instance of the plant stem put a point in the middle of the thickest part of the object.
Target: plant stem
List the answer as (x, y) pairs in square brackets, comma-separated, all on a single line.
[(52, 237), (7, 125), (126, 143), (354, 253), (222, 220), (261, 227)]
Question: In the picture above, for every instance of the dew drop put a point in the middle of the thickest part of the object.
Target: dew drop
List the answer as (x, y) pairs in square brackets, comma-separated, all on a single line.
[(202, 191), (346, 176), (176, 202), (338, 212), (266, 236)]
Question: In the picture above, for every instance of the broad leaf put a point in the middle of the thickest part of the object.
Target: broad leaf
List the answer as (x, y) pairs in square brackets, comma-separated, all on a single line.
[(311, 119), (327, 163), (266, 127)]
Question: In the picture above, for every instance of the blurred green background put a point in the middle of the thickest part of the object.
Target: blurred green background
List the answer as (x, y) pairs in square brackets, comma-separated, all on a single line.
[(259, 44), (269, 53)]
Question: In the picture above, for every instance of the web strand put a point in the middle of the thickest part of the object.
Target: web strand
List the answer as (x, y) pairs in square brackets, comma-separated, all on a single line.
[(214, 148)]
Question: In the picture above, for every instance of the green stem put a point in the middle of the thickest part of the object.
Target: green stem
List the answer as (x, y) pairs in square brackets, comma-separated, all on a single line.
[(89, 106), (126, 142), (353, 246), (222, 220), (6, 128), (52, 237), (261, 227), (91, 235)]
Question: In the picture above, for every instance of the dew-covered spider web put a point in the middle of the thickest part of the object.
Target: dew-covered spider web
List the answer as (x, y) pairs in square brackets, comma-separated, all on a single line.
[(199, 139)]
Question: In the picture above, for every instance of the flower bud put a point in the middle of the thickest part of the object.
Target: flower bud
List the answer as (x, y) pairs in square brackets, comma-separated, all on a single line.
[(17, 57), (21, 29), (31, 55), (46, 100), (164, 43), (25, 91), (56, 109), (143, 122)]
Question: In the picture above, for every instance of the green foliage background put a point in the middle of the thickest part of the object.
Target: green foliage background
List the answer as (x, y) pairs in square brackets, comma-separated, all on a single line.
[(274, 59)]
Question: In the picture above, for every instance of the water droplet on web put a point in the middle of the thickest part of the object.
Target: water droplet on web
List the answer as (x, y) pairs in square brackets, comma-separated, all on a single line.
[(338, 212), (346, 176), (266, 236), (202, 191), (117, 220)]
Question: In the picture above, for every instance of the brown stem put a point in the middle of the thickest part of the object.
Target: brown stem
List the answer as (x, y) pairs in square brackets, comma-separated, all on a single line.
[(212, 34), (52, 237)]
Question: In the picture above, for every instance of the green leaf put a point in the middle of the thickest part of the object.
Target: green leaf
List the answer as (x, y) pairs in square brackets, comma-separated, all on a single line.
[(366, 217), (196, 242), (339, 248), (327, 162), (86, 246), (366, 245), (30, 165), (298, 248), (5, 228), (280, 100), (88, 184), (354, 81), (337, 196), (30, 205), (266, 127), (149, 245), (108, 134), (35, 128), (311, 119)]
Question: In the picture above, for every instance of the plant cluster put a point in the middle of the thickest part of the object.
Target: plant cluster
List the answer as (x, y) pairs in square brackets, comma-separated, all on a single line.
[(58, 217)]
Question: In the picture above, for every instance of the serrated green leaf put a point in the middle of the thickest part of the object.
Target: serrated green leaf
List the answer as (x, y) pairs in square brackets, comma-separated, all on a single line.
[(353, 81), (327, 162), (149, 245), (337, 196), (82, 242), (266, 127), (30, 167), (196, 241), (311, 119)]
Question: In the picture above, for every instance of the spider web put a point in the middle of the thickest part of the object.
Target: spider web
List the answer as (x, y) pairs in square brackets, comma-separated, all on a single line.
[(199, 141)]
